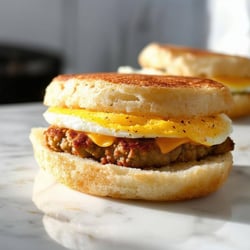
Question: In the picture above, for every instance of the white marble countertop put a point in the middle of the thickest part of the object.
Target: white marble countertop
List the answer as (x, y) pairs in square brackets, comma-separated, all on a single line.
[(79, 221)]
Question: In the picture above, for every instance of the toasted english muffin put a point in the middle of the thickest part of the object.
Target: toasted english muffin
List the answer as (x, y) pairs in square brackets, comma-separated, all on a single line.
[(134, 136), (168, 96)]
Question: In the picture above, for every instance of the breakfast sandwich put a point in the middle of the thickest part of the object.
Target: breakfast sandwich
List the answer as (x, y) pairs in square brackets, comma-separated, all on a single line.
[(233, 71), (135, 136)]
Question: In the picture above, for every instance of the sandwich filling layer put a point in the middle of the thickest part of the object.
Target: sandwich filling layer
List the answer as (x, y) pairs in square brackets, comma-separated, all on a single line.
[(205, 130), (136, 141), (136, 153)]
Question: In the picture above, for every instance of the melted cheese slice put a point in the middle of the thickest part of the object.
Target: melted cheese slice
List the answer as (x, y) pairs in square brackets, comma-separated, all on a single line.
[(168, 144), (165, 144), (203, 130), (236, 84), (101, 140)]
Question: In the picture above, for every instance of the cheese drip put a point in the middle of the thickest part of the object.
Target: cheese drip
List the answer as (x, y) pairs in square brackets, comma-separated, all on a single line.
[(168, 144), (101, 140), (165, 144)]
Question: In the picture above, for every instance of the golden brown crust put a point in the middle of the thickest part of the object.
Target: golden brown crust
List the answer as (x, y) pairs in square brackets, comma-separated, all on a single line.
[(179, 60), (151, 81), (189, 180), (139, 94)]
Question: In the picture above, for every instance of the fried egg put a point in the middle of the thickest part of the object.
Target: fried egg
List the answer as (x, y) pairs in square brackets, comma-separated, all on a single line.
[(207, 130)]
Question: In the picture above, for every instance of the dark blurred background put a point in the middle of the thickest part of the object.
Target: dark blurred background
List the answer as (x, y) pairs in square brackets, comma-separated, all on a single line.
[(40, 39)]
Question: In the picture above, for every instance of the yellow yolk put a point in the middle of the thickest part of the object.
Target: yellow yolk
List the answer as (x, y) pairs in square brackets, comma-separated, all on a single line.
[(234, 83), (208, 131)]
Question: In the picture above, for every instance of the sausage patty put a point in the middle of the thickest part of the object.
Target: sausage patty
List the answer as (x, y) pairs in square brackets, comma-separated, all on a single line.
[(136, 153)]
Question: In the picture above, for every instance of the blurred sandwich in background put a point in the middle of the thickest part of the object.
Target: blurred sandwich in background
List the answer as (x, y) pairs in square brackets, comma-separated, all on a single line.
[(233, 71)]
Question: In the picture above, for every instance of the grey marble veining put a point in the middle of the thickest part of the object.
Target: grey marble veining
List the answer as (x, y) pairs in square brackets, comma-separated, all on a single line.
[(21, 223), (78, 221)]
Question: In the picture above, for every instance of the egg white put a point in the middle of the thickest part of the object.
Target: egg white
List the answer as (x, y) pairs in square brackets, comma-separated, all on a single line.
[(77, 123)]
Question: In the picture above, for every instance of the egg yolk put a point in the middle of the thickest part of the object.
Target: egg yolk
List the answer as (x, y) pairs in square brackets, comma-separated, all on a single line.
[(204, 130)]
